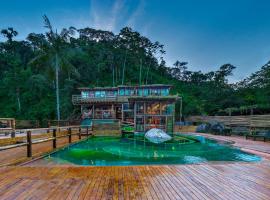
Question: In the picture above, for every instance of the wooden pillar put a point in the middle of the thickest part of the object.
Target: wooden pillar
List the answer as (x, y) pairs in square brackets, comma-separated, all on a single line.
[(54, 138), (113, 113), (80, 133), (135, 108), (144, 112), (93, 110), (122, 112), (29, 144), (69, 135), (13, 125)]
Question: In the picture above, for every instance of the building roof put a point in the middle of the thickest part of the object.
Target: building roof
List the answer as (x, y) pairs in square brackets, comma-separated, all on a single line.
[(126, 86)]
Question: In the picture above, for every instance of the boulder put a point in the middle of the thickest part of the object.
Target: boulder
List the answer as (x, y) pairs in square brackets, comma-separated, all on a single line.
[(216, 127), (157, 136), (203, 128)]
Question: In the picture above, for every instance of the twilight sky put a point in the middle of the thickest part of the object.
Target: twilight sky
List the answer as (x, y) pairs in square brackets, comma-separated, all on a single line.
[(205, 33)]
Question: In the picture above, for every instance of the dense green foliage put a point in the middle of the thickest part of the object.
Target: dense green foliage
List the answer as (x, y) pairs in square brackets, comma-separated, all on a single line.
[(89, 57)]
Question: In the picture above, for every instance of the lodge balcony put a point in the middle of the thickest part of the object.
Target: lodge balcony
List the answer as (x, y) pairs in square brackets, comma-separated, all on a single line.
[(80, 100)]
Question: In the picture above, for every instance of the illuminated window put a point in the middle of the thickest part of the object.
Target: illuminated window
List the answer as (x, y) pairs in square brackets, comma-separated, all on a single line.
[(153, 108), (122, 92), (84, 94)]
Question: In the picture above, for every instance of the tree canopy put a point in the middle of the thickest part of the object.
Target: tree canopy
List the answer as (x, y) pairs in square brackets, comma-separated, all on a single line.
[(90, 57)]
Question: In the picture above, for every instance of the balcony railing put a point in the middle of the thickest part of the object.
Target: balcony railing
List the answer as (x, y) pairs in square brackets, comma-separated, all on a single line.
[(78, 99)]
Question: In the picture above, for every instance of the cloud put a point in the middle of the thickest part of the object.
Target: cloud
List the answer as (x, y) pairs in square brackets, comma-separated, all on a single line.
[(136, 14), (116, 16), (106, 19)]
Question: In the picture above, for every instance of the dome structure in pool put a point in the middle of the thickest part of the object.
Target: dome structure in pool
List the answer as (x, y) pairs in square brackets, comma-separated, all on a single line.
[(157, 136)]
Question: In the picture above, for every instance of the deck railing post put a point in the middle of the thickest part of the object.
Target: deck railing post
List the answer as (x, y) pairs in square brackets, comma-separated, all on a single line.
[(29, 144), (54, 138), (13, 133), (87, 131), (80, 133), (69, 135)]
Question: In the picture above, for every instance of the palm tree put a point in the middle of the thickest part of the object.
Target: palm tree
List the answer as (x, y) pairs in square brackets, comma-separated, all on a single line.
[(54, 51), (9, 33)]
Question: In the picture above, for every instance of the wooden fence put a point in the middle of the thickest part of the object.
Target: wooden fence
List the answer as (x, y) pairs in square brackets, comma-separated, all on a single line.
[(249, 121), (52, 135)]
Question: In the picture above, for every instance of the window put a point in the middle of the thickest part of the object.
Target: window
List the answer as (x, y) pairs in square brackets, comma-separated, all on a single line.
[(100, 94), (139, 108), (145, 92), (165, 92), (140, 91), (111, 93), (127, 92), (132, 92), (84, 94), (126, 106), (167, 109), (91, 94), (122, 92), (139, 124), (153, 108)]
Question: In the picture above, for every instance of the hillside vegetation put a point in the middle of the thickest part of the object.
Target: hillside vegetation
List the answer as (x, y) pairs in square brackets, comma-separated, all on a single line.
[(39, 74)]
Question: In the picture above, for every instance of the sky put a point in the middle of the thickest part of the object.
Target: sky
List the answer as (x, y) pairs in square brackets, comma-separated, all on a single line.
[(205, 33)]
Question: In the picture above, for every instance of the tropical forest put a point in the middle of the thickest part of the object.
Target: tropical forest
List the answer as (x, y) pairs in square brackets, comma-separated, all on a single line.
[(38, 75)]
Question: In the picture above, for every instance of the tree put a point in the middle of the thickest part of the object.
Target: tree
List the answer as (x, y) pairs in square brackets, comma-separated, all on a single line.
[(54, 51), (9, 33)]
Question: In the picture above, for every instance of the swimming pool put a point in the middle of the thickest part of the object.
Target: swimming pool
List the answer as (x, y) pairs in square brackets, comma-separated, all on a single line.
[(116, 151)]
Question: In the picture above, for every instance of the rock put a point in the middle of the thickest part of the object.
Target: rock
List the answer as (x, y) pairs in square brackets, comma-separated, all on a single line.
[(203, 128), (157, 136), (211, 127), (216, 127)]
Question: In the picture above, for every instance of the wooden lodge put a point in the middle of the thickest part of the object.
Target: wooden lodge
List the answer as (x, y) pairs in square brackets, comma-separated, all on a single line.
[(145, 106)]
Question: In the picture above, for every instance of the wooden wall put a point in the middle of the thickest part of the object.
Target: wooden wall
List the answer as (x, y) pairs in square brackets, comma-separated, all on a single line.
[(260, 121)]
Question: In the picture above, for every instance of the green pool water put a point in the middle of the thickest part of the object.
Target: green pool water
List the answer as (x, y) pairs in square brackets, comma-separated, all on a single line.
[(112, 151)]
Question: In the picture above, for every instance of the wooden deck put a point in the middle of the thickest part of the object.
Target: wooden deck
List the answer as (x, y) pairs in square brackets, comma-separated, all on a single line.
[(18, 155), (227, 181)]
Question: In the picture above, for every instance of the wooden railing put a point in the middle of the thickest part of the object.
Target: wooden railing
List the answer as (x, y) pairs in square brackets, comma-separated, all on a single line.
[(78, 99), (51, 123), (71, 131)]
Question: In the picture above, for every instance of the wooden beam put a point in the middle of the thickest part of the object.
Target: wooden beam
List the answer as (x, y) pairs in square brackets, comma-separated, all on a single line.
[(29, 144)]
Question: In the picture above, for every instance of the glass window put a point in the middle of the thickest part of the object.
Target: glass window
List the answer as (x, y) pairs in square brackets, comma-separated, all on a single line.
[(84, 94), (132, 92), (140, 91), (97, 93), (155, 92), (100, 94), (91, 94), (165, 92), (139, 124), (126, 106), (156, 120), (122, 92), (167, 109), (127, 92), (153, 108), (139, 108), (145, 92), (110, 93)]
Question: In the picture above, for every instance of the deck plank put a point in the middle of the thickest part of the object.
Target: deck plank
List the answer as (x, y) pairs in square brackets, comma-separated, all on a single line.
[(207, 181)]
